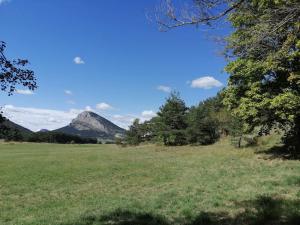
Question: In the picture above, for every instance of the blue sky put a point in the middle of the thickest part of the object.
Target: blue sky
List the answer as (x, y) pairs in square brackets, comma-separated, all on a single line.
[(107, 54)]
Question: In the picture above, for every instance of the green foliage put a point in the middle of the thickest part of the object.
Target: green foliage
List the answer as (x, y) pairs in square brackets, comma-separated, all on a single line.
[(202, 127), (119, 141), (236, 131), (168, 127), (2, 119), (264, 83), (8, 133), (134, 135), (172, 122), (264, 53), (3, 128), (13, 135), (172, 113), (175, 124)]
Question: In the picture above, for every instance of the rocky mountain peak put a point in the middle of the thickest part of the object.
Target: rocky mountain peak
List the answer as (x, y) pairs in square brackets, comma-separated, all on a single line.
[(90, 124)]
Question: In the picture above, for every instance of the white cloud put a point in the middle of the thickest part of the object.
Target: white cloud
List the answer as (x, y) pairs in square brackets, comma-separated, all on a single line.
[(123, 121), (36, 119), (78, 60), (164, 88), (206, 82), (4, 1), (104, 106), (24, 92), (126, 120), (68, 92), (89, 108), (148, 113)]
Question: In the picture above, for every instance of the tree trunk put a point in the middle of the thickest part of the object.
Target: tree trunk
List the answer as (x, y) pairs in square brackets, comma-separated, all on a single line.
[(240, 142)]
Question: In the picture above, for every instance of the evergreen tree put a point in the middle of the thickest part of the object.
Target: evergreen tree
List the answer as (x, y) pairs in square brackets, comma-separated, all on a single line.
[(133, 135), (171, 122), (203, 126)]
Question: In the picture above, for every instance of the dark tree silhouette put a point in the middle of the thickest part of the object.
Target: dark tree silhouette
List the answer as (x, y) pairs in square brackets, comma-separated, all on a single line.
[(13, 73)]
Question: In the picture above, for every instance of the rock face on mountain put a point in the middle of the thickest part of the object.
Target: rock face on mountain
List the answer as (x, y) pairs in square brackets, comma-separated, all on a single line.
[(89, 124)]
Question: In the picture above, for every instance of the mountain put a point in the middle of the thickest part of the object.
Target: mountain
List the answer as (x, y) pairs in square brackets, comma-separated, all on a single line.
[(43, 131), (15, 126), (89, 124)]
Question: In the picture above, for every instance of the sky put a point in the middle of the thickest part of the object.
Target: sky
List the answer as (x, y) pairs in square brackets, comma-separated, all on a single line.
[(104, 56)]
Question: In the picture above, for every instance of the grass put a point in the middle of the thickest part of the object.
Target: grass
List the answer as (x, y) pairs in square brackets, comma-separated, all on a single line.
[(106, 184)]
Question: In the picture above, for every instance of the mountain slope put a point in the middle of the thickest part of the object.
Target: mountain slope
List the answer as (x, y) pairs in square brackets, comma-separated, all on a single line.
[(89, 124), (13, 125)]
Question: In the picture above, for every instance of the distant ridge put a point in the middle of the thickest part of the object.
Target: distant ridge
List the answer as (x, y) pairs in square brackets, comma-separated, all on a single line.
[(91, 125), (15, 126), (43, 131)]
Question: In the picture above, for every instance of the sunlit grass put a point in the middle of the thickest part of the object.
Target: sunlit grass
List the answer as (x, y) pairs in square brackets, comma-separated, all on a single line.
[(101, 184)]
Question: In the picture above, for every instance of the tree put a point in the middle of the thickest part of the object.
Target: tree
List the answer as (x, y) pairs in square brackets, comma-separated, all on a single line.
[(208, 120), (61, 138), (13, 135), (236, 131), (171, 121), (264, 52), (3, 129), (170, 15), (202, 128), (264, 83), (13, 74), (133, 135)]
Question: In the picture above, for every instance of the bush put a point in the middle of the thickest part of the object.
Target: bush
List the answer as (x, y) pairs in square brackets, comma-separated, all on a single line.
[(120, 142), (251, 140), (174, 137)]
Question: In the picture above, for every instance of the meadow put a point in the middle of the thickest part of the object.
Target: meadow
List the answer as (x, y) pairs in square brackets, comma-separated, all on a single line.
[(106, 184)]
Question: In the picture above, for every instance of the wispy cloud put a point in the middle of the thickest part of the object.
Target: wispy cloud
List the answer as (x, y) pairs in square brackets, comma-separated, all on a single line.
[(68, 92), (78, 60), (206, 82), (164, 88), (104, 106), (24, 92), (4, 1)]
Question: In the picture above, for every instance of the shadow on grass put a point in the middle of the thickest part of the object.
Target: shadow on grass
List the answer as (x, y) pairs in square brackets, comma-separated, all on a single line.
[(120, 217), (281, 152), (262, 211)]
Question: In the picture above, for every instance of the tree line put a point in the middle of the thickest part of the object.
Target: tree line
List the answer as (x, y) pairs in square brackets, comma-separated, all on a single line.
[(176, 124), (263, 53)]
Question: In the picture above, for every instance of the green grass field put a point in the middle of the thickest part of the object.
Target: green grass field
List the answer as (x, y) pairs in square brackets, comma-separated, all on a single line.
[(106, 184)]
